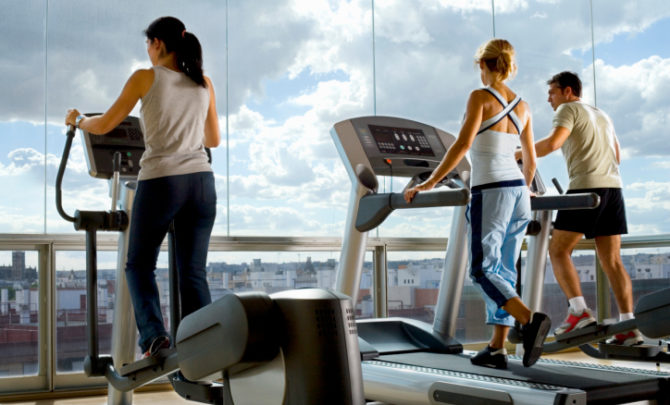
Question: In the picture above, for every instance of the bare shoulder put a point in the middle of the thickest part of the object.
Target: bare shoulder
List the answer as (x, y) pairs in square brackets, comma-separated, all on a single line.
[(479, 97), (208, 81), (141, 81), (525, 106), (143, 74)]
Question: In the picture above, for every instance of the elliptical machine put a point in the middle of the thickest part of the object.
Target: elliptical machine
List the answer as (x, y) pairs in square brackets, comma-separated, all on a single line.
[(299, 346)]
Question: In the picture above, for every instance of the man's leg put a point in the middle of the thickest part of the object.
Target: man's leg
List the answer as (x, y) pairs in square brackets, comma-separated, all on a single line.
[(560, 251), (608, 249)]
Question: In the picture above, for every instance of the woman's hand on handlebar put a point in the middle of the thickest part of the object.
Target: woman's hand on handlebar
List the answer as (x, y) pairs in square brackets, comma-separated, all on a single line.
[(71, 117), (411, 192)]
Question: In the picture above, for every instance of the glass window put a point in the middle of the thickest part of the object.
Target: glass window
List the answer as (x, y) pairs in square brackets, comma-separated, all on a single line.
[(631, 64), (285, 270), (270, 271), (413, 283), (560, 40), (19, 307), (92, 51), (22, 105), (424, 64), (649, 270), (71, 341), (295, 70)]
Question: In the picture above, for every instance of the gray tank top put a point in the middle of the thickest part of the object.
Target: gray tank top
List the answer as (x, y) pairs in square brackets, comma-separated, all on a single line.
[(173, 117)]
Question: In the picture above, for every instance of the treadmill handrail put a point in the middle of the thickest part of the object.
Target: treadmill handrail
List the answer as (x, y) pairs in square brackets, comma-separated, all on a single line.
[(374, 208), (565, 202)]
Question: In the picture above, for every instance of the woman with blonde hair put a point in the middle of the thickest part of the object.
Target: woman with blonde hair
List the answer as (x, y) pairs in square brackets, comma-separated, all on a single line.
[(496, 122)]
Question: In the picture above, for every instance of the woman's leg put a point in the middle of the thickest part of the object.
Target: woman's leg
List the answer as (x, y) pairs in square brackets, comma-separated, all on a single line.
[(193, 227), (149, 222), (490, 211), (511, 249), (499, 336)]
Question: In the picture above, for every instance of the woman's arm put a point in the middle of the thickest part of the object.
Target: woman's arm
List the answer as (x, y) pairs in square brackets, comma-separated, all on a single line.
[(473, 119), (136, 87), (212, 136), (528, 156)]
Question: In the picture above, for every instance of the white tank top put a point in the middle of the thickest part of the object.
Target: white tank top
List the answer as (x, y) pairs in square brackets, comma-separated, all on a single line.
[(492, 152), (173, 117)]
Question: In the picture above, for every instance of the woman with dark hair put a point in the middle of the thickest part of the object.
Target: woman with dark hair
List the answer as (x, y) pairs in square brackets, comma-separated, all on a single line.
[(175, 182)]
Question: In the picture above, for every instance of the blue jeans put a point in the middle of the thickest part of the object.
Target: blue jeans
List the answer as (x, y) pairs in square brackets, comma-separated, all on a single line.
[(190, 201), (498, 218)]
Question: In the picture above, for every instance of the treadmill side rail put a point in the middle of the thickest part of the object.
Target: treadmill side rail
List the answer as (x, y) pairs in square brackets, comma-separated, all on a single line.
[(448, 393), (405, 385)]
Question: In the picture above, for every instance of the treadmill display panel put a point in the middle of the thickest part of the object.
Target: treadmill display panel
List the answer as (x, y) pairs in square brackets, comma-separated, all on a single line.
[(401, 141)]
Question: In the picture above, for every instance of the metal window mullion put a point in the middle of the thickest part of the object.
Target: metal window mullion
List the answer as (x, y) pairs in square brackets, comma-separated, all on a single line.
[(380, 282), (47, 315)]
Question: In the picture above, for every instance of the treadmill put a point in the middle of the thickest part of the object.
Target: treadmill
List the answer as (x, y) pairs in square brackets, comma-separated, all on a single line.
[(405, 361)]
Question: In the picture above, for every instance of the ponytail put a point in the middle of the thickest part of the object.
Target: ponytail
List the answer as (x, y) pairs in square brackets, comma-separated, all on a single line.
[(184, 44), (189, 58)]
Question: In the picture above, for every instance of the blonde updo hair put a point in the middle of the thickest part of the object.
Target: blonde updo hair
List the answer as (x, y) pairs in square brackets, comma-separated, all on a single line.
[(498, 55)]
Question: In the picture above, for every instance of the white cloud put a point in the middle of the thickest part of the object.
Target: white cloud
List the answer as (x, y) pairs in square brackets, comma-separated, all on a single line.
[(320, 51), (616, 18), (637, 97)]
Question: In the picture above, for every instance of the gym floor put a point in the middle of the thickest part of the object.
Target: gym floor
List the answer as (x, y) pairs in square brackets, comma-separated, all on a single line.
[(169, 397)]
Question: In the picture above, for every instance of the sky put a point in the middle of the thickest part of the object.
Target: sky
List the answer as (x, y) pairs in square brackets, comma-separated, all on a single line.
[(291, 69)]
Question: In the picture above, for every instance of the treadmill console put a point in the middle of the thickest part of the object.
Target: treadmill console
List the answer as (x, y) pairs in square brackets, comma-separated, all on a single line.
[(391, 146), (126, 139), (401, 141)]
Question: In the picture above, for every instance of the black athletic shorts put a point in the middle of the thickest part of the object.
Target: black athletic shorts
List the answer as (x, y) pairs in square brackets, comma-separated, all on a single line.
[(609, 218)]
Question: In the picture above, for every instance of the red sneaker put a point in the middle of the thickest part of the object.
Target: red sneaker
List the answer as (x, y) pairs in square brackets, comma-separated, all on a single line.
[(576, 321), (631, 338)]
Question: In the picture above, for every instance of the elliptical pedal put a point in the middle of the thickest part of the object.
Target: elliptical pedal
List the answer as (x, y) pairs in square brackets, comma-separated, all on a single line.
[(637, 352), (147, 362), (593, 330)]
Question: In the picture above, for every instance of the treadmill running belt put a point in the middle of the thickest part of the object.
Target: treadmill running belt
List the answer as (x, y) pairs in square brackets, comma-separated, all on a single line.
[(603, 384)]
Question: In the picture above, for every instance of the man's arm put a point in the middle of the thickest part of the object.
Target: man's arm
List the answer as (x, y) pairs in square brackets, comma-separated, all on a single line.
[(549, 144), (554, 141), (617, 150)]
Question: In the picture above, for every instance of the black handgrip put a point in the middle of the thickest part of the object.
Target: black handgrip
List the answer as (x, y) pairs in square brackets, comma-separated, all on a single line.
[(565, 202), (116, 162), (557, 185)]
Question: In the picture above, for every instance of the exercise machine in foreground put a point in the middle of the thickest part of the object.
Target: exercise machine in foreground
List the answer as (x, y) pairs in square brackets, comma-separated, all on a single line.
[(410, 362), (291, 347)]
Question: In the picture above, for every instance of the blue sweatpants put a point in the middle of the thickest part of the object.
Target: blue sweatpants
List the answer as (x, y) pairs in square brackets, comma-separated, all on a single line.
[(498, 215)]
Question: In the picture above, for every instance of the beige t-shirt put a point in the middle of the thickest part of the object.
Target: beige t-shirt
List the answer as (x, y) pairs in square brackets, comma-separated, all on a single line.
[(590, 150)]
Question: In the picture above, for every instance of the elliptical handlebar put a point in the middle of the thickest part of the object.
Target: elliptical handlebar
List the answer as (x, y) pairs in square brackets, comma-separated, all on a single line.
[(61, 171)]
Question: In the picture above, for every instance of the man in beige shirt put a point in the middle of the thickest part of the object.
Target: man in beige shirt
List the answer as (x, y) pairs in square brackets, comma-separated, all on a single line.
[(589, 144)]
